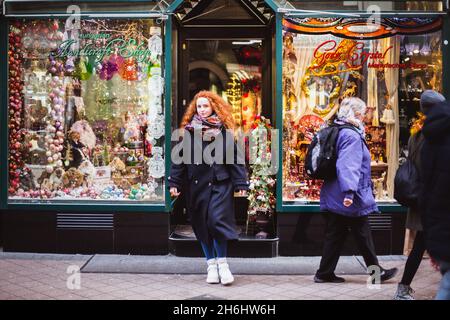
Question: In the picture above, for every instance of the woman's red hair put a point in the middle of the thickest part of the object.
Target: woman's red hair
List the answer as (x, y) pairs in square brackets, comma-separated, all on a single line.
[(219, 106)]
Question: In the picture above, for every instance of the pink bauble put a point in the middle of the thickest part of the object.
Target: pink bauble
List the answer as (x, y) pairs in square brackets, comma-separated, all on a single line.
[(49, 169), (50, 159)]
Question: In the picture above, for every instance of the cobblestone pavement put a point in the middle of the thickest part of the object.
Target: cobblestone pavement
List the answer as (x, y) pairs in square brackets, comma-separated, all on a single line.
[(46, 277)]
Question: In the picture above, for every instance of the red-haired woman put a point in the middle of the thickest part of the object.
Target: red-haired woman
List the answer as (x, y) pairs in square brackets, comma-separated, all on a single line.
[(209, 184)]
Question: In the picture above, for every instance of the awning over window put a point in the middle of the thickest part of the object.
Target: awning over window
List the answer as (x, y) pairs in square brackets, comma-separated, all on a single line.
[(362, 28)]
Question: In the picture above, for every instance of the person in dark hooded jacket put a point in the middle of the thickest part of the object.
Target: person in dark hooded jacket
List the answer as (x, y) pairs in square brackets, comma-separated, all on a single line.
[(428, 100), (434, 199)]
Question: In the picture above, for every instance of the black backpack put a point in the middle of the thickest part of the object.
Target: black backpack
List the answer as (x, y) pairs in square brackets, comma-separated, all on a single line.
[(407, 184), (320, 161)]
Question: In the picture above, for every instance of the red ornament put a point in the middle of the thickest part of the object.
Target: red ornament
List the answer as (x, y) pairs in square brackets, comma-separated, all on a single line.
[(128, 71)]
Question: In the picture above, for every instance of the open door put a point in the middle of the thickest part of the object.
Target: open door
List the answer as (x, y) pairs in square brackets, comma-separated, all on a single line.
[(224, 46)]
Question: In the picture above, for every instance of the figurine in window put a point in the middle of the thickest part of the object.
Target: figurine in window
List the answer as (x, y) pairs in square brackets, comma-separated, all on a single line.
[(77, 149)]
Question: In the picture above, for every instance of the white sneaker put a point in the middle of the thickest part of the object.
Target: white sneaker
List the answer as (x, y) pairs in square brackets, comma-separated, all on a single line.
[(225, 275), (213, 275)]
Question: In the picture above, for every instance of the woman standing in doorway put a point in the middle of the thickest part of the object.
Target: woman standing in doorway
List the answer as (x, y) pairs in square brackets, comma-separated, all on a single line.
[(209, 183)]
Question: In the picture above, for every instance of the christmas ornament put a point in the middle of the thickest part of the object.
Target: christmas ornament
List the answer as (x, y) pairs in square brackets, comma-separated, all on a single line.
[(128, 70), (107, 70), (15, 124), (156, 166)]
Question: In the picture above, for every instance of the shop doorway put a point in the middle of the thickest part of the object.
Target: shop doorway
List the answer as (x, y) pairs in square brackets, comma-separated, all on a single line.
[(224, 46)]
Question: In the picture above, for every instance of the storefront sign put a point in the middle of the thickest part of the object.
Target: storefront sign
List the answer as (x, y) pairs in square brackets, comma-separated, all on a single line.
[(130, 48), (332, 58)]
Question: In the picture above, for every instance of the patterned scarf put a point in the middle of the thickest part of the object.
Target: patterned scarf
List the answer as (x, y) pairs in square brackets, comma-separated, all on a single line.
[(210, 126)]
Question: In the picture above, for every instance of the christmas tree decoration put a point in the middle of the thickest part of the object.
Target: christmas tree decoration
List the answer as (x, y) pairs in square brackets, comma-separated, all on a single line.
[(262, 181), (156, 166), (84, 69), (117, 60), (16, 135), (107, 70), (128, 70)]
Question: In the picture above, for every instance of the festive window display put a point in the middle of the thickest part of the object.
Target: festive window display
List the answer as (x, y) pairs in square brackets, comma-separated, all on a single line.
[(85, 111), (328, 59)]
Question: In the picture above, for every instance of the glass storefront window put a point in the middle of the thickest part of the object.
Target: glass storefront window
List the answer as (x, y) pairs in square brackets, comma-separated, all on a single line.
[(86, 115), (388, 71)]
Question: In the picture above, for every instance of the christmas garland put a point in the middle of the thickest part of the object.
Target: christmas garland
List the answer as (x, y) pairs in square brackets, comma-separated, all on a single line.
[(262, 183)]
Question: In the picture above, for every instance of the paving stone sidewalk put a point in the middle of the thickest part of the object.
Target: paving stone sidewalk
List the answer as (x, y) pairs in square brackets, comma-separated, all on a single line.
[(45, 276)]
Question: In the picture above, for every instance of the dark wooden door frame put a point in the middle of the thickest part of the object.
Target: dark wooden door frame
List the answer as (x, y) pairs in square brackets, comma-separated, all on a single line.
[(186, 33)]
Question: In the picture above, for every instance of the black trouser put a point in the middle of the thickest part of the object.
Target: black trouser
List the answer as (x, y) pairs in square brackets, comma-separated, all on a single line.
[(414, 259), (338, 227)]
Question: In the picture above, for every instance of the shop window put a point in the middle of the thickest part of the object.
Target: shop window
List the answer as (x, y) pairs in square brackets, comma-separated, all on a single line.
[(388, 70), (85, 111)]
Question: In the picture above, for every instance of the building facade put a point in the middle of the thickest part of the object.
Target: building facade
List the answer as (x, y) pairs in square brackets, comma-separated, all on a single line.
[(92, 90)]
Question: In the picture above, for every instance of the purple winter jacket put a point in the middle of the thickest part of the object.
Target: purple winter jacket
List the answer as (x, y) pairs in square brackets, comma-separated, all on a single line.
[(353, 178)]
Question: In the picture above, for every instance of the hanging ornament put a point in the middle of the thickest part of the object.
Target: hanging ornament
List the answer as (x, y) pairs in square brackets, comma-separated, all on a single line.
[(155, 45), (156, 163), (70, 65), (15, 124), (129, 70), (141, 74), (84, 69), (154, 69), (117, 60), (107, 70), (155, 85), (156, 127)]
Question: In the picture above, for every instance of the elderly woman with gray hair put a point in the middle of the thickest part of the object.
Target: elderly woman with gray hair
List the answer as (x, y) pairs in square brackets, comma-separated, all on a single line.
[(348, 199)]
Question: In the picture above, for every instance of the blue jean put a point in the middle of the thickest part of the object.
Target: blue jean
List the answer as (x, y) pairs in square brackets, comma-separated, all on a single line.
[(444, 288), (218, 248)]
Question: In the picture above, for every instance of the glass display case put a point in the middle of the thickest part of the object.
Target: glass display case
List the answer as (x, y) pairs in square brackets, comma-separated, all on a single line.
[(86, 117), (387, 65)]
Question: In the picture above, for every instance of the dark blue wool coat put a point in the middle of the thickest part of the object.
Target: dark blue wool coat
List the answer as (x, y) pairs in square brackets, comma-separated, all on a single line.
[(209, 190)]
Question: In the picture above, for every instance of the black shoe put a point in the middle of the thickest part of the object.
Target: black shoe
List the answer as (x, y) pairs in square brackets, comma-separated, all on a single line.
[(333, 279), (387, 274)]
